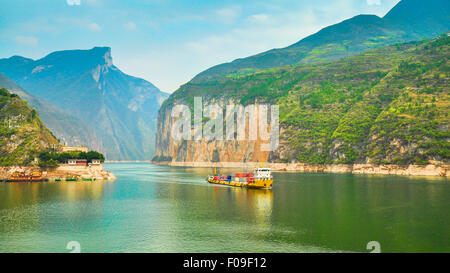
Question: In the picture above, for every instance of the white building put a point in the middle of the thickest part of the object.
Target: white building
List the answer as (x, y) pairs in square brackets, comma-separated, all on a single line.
[(77, 162)]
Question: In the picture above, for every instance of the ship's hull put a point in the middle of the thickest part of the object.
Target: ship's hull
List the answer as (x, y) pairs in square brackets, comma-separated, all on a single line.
[(256, 184), (25, 180)]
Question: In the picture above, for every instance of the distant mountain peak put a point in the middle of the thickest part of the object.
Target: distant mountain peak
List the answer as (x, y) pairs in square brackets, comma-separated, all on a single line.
[(104, 52), (363, 18), (409, 20), (101, 49), (407, 9), (79, 58), (17, 58), (343, 29)]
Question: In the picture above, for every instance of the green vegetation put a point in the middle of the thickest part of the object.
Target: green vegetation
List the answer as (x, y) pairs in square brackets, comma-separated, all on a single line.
[(409, 20), (388, 105), (52, 159), (22, 134), (23, 137)]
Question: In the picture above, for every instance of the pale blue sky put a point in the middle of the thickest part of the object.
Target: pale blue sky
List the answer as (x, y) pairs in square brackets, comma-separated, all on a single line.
[(167, 42)]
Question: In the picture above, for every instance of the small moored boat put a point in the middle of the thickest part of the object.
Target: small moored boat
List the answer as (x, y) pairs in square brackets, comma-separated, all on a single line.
[(22, 177)]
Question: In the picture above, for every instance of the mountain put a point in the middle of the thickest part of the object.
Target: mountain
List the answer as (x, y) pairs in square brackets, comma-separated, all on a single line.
[(361, 91), (68, 129), (386, 106), (22, 133), (420, 18), (409, 20), (121, 109)]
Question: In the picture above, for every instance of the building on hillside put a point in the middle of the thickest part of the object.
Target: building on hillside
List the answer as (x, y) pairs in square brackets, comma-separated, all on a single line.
[(75, 149), (77, 162)]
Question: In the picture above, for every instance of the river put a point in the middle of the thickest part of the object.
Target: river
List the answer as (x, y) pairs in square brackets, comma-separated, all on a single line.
[(153, 208)]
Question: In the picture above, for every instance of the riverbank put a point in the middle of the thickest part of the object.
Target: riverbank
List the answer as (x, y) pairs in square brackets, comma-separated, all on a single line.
[(95, 172), (127, 161), (409, 170)]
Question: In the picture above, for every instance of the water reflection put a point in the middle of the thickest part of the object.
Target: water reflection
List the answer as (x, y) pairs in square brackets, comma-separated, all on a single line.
[(162, 209), (30, 206), (20, 193)]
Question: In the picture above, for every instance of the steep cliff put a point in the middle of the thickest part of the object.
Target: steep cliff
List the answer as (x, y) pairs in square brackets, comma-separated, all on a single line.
[(169, 149), (354, 92), (385, 106)]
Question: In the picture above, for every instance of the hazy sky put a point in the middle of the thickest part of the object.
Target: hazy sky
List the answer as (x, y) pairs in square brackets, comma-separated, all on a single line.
[(167, 42)]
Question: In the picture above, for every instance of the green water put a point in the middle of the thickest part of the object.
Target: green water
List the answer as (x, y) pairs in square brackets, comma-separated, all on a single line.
[(161, 209)]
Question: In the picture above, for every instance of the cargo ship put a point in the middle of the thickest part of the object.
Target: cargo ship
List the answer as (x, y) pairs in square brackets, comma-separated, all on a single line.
[(22, 177), (260, 178)]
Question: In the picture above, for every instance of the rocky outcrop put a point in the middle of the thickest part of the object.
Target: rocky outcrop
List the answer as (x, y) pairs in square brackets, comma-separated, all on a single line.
[(96, 172)]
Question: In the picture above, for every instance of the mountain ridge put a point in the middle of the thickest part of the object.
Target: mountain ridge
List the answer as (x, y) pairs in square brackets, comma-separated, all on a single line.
[(380, 98), (120, 108), (344, 39), (385, 106)]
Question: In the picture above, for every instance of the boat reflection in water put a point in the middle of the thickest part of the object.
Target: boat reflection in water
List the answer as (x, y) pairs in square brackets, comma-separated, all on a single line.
[(172, 209), (258, 203)]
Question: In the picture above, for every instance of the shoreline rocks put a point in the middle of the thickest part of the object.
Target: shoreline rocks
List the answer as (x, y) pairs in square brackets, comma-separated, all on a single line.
[(409, 170), (95, 172)]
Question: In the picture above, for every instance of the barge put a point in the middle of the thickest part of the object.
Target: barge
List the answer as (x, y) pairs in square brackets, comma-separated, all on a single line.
[(260, 178)]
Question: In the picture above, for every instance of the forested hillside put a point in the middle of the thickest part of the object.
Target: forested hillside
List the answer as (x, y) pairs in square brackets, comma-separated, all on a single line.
[(22, 134), (389, 105)]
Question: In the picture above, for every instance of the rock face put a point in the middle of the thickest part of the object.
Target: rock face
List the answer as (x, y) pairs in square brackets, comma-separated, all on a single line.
[(121, 109), (168, 149)]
